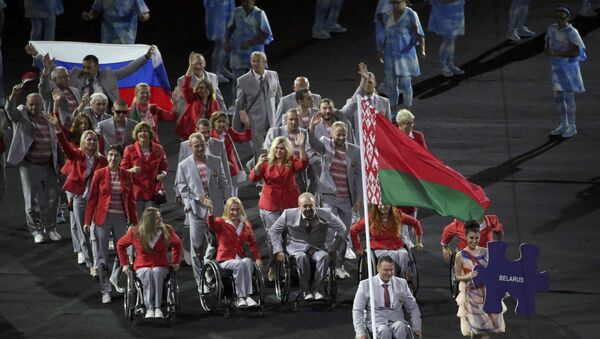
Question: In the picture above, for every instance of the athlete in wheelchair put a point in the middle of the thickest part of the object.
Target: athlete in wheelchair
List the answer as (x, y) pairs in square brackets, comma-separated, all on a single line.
[(232, 279), (385, 223), (153, 278), (309, 251)]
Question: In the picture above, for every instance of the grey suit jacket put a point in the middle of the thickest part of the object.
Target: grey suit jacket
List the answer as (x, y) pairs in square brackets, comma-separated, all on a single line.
[(215, 148), (350, 109), (289, 101), (401, 297), (94, 118), (325, 146), (283, 131), (189, 184), (321, 130), (298, 237), (262, 111), (106, 129), (46, 87), (214, 80), (23, 130)]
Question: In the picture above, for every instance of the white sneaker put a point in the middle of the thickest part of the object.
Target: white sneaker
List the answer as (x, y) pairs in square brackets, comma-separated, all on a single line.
[(570, 131), (513, 36), (54, 236), (321, 35), (341, 273), (149, 314), (111, 245), (115, 283), (319, 296), (38, 238), (250, 302), (456, 70), (241, 302), (308, 296), (350, 255), (106, 298), (80, 258), (158, 313), (559, 130), (93, 272), (525, 32), (337, 28), (447, 72)]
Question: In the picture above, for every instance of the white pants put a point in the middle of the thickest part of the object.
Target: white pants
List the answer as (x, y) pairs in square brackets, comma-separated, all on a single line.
[(242, 274), (152, 279)]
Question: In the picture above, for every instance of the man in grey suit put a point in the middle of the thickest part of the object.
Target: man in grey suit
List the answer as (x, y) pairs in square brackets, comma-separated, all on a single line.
[(340, 184), (34, 151), (329, 115), (119, 128), (289, 101), (391, 295), (199, 73), (200, 175), (309, 237), (258, 91), (97, 109), (58, 79)]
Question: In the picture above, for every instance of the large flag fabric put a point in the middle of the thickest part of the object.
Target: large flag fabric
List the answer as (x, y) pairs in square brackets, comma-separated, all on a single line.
[(401, 172), (70, 54)]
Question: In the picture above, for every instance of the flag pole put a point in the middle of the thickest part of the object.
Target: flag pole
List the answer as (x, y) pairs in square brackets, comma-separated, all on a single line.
[(366, 213)]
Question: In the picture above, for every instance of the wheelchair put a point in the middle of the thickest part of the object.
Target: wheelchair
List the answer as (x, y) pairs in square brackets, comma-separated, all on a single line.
[(409, 331), (287, 275), (452, 277), (133, 300), (412, 276), (218, 289)]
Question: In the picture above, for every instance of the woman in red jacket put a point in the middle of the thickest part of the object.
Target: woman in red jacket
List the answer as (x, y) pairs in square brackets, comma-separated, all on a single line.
[(233, 231), (110, 208), (385, 225), (201, 100), (151, 240), (147, 161), (222, 131), (143, 111), (278, 170)]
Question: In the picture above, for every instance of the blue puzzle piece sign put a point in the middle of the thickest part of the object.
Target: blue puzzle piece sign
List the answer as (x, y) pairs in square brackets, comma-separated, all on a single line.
[(519, 278)]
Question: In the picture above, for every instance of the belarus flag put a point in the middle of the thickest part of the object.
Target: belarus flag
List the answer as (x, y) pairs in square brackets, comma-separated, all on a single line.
[(70, 54)]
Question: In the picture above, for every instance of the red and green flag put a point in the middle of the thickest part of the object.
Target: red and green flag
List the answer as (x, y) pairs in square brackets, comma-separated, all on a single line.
[(400, 172)]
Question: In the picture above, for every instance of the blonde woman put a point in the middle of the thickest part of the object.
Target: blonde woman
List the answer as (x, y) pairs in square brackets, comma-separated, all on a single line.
[(278, 169), (152, 239)]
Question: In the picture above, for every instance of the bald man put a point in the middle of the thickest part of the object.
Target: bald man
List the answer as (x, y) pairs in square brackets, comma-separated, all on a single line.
[(289, 101)]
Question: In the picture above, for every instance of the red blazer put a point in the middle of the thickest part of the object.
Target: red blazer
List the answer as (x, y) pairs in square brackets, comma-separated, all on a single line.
[(230, 137), (230, 244), (145, 183), (457, 228), (77, 166), (387, 240), (194, 111), (157, 114), (99, 197), (156, 258), (280, 190)]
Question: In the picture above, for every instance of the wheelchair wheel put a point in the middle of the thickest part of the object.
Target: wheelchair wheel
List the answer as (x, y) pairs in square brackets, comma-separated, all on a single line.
[(363, 267), (331, 284), (211, 287), (258, 285), (283, 278), (452, 277), (130, 297), (173, 299), (413, 273)]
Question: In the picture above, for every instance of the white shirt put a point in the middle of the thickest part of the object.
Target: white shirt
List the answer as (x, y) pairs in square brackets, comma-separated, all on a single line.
[(390, 289)]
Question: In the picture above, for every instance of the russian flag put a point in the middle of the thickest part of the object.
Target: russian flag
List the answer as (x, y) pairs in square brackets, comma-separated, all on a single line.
[(70, 54)]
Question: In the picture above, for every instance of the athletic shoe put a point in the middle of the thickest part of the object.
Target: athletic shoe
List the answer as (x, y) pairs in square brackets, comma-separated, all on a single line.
[(559, 130), (111, 245), (94, 272), (113, 280), (106, 298), (250, 302), (525, 33), (308, 296), (241, 302), (319, 296), (341, 273), (321, 35), (54, 236), (271, 274), (149, 314), (456, 70), (80, 258), (158, 313), (570, 131), (447, 72), (38, 238), (60, 218), (337, 28), (513, 36)]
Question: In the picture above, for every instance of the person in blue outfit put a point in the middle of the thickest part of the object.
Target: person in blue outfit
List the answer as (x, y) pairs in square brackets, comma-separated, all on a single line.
[(448, 21), (42, 15), (566, 50), (516, 21), (2, 7), (217, 15), (327, 13), (588, 7), (249, 31), (119, 19), (399, 33)]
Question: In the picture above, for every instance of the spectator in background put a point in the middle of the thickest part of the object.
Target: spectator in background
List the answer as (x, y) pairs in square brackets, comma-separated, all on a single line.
[(327, 13), (516, 21), (448, 21), (119, 19), (42, 15), (217, 15)]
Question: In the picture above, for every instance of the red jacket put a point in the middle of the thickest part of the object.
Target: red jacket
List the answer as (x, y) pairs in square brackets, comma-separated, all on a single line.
[(195, 110), (387, 240), (99, 197), (157, 114), (77, 166), (230, 244), (230, 137), (280, 190), (156, 258), (457, 228), (145, 183)]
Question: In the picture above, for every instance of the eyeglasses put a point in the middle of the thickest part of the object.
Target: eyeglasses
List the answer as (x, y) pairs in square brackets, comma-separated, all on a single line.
[(121, 112)]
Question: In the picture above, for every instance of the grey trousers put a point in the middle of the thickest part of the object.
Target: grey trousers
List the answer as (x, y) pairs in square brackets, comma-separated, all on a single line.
[(343, 209), (153, 279), (73, 224), (242, 274), (321, 259), (79, 204), (115, 224), (399, 256), (198, 228), (40, 191), (268, 218), (396, 329)]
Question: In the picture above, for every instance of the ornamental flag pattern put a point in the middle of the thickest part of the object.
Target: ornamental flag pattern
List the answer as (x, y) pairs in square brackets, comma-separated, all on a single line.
[(368, 112)]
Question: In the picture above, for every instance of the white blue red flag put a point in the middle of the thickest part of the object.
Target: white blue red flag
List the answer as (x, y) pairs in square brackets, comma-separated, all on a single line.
[(70, 54)]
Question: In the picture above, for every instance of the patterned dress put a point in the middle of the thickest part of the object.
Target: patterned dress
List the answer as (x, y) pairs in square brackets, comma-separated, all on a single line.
[(246, 27), (447, 18), (119, 19), (473, 319), (566, 75), (398, 41), (217, 14)]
